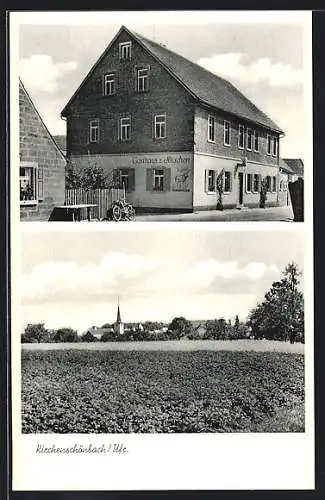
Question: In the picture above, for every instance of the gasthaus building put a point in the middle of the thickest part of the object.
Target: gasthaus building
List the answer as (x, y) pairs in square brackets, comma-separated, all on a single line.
[(169, 129)]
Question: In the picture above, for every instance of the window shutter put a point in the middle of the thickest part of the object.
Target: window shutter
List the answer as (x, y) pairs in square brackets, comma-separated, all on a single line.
[(131, 183), (259, 182), (40, 184), (116, 177), (167, 176), (206, 180), (149, 179), (230, 181)]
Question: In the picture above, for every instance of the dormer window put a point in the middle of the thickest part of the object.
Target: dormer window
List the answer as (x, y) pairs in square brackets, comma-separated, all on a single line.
[(125, 50), (109, 84)]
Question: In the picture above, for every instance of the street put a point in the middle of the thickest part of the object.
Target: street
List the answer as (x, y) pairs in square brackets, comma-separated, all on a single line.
[(284, 214)]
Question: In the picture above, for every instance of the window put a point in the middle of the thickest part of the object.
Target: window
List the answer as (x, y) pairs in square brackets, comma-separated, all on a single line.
[(40, 184), (124, 179), (143, 79), (28, 183), (256, 140), (227, 182), (160, 126), (158, 180), (211, 181), (226, 133), (256, 183), (125, 128), (268, 183), (249, 139), (274, 184), (275, 146), (241, 136), (268, 139), (249, 182), (94, 131), (109, 84), (125, 50), (211, 129)]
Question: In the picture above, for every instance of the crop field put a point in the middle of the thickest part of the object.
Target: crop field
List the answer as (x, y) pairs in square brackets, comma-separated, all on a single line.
[(96, 391)]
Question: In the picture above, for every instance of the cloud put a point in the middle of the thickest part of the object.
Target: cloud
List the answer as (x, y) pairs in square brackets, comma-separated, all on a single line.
[(205, 272), (41, 73), (70, 281), (235, 66)]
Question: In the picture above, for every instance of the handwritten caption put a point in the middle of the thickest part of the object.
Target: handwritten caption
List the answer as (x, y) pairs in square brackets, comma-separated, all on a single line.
[(117, 449)]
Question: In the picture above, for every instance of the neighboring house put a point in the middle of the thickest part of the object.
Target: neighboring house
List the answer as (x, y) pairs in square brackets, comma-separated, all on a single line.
[(42, 165), (61, 141), (168, 130), (295, 167), (98, 332)]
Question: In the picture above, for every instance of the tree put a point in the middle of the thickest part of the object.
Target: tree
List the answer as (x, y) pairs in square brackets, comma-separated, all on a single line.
[(179, 327), (281, 314), (88, 337), (35, 333), (66, 335), (73, 176)]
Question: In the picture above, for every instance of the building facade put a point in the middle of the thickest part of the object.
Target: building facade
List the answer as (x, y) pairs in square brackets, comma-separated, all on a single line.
[(42, 165), (176, 136)]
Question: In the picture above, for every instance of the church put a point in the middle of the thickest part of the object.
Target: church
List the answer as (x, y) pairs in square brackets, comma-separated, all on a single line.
[(118, 325)]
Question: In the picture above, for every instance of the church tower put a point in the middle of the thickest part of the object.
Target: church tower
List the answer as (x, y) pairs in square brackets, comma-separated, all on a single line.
[(118, 325)]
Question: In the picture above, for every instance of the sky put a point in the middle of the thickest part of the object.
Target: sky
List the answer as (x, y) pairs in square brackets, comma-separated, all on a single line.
[(74, 277), (265, 61)]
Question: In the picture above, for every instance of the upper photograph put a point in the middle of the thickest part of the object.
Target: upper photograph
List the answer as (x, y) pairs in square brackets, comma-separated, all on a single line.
[(162, 122)]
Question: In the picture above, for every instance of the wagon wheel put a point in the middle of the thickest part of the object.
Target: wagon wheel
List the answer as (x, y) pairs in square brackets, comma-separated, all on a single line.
[(117, 213), (131, 212)]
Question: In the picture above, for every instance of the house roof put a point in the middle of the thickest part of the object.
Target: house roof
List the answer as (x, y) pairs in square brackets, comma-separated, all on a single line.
[(22, 87), (204, 86), (296, 165), (61, 141)]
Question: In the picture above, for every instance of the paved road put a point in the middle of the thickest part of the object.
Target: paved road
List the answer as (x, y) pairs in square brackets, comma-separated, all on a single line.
[(284, 214)]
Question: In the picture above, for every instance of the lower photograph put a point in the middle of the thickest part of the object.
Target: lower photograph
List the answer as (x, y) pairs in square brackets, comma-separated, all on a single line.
[(162, 332)]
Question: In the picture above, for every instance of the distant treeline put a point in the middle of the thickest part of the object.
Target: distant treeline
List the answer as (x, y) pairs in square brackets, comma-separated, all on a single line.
[(280, 316)]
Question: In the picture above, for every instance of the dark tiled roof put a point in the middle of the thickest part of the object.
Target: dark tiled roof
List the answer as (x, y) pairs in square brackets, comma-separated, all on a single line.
[(285, 167), (206, 86), (296, 165), (61, 141)]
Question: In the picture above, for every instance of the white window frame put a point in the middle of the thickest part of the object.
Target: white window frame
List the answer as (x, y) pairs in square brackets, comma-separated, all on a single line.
[(268, 141), (226, 127), (143, 79), (249, 147), (275, 142), (256, 136), (258, 183), (224, 181), (125, 50), (32, 168), (249, 189), (212, 126), (124, 176), (94, 130), (161, 177), (212, 176), (160, 124), (109, 84), (241, 128), (125, 128)]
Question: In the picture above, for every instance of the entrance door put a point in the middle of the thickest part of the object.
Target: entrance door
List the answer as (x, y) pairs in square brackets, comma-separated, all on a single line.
[(241, 187)]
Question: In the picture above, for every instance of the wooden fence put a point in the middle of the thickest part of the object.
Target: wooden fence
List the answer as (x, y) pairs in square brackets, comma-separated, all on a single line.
[(103, 198)]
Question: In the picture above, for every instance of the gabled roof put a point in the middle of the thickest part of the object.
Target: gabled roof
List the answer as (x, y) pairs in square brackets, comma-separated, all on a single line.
[(296, 165), (204, 86), (61, 141), (22, 87)]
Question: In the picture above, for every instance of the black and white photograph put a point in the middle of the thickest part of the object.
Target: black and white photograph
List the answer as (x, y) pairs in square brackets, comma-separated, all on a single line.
[(162, 122), (149, 356), (122, 334)]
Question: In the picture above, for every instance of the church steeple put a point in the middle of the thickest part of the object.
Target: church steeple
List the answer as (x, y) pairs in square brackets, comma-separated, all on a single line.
[(118, 326), (118, 318)]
